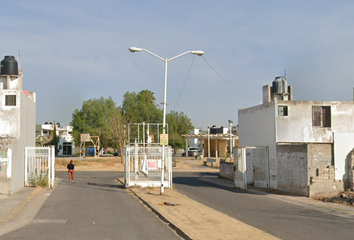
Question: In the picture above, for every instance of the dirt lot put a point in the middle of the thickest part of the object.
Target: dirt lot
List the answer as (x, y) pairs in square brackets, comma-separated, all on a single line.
[(90, 164), (115, 164)]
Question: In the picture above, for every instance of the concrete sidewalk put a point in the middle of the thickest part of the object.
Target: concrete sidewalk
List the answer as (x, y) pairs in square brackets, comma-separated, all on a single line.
[(20, 208)]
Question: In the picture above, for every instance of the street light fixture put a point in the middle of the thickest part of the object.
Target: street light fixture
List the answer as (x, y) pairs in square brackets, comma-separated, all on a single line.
[(166, 60)]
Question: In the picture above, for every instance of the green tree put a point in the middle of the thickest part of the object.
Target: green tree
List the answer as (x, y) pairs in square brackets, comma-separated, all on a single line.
[(100, 117), (92, 119), (178, 124), (141, 107)]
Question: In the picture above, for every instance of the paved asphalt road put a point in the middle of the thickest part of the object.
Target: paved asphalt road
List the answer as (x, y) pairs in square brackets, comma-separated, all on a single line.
[(278, 218), (93, 207)]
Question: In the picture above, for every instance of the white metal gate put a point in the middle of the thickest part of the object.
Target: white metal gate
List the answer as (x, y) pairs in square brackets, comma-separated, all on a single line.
[(252, 167), (240, 173), (143, 167), (39, 161)]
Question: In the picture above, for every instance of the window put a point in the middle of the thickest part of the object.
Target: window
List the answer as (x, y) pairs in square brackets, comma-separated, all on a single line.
[(282, 110), (321, 116), (10, 100)]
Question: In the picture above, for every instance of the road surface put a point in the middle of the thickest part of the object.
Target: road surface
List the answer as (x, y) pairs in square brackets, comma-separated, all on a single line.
[(93, 207), (278, 218)]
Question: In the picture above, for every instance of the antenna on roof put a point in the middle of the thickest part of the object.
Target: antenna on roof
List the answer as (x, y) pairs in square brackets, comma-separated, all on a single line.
[(284, 73)]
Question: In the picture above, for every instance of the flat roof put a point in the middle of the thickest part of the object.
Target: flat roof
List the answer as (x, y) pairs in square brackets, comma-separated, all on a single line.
[(217, 136)]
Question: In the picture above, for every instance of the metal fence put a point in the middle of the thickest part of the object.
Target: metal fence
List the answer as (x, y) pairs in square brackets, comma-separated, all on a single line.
[(39, 162), (143, 166)]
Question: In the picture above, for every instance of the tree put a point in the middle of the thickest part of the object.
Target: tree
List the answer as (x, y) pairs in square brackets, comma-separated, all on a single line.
[(116, 132), (178, 124), (101, 117), (141, 107), (92, 119), (55, 139)]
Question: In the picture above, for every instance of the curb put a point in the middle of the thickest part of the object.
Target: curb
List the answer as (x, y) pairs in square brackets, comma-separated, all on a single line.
[(179, 231)]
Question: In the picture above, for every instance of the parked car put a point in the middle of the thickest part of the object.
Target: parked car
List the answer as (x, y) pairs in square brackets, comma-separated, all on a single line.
[(193, 151), (117, 153)]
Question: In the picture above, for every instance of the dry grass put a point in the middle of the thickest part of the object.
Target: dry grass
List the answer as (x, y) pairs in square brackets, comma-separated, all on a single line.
[(114, 164), (91, 164)]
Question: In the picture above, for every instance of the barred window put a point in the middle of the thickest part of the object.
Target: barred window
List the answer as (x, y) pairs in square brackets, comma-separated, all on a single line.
[(10, 100), (282, 110), (321, 116)]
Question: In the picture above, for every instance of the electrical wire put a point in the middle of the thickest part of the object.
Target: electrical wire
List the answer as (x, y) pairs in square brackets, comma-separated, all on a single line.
[(184, 84), (185, 81), (228, 81)]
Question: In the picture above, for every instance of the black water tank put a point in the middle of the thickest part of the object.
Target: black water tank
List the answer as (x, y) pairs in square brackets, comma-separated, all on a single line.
[(9, 66), (215, 130), (280, 85)]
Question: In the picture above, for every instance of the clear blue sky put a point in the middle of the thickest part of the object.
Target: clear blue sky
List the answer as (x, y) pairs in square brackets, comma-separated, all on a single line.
[(72, 51)]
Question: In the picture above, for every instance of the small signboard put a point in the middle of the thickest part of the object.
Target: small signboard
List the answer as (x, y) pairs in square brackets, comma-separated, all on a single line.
[(164, 139)]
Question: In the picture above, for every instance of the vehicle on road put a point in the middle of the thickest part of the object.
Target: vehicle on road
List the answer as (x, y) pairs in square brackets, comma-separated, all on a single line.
[(193, 151), (117, 153)]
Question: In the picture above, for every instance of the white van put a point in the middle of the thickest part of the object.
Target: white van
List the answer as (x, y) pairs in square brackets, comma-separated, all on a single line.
[(193, 151)]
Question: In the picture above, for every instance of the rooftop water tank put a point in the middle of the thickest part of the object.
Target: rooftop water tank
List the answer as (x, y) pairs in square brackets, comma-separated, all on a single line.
[(280, 85), (9, 66)]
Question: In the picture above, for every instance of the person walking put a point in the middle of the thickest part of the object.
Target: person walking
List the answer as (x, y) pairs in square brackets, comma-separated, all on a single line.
[(71, 170)]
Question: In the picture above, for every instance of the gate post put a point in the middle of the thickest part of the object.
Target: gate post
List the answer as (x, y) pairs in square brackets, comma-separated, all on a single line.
[(26, 166), (53, 166)]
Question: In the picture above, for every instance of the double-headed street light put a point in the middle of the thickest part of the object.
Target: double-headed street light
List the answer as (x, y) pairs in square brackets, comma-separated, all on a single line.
[(166, 60)]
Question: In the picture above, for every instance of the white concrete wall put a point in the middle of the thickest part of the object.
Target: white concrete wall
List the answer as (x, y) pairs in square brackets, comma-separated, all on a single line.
[(194, 141), (9, 115), (26, 139), (261, 126), (257, 128), (343, 145), (299, 121)]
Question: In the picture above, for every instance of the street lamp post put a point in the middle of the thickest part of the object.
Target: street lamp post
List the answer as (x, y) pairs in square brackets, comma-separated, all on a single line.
[(230, 123), (166, 60), (208, 141)]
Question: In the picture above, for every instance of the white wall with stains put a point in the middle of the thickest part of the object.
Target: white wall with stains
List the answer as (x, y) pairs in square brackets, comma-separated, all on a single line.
[(297, 126), (257, 128), (261, 126), (17, 130)]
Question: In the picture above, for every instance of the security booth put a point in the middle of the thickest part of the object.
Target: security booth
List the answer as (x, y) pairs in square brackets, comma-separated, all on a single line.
[(148, 163)]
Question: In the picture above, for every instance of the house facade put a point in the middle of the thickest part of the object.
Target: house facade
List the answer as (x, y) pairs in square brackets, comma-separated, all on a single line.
[(17, 126), (45, 133), (309, 143)]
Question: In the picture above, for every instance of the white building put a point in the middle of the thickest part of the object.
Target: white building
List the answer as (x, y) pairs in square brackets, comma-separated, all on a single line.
[(17, 126), (309, 143), (45, 133)]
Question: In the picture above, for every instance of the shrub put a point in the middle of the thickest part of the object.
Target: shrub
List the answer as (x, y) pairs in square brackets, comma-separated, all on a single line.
[(39, 179)]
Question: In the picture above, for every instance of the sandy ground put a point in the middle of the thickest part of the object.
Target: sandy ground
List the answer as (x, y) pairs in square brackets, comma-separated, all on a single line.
[(115, 164), (195, 220)]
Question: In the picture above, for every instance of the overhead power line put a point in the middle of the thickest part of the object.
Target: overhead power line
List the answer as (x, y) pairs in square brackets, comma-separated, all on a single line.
[(190, 68), (185, 81), (228, 81)]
